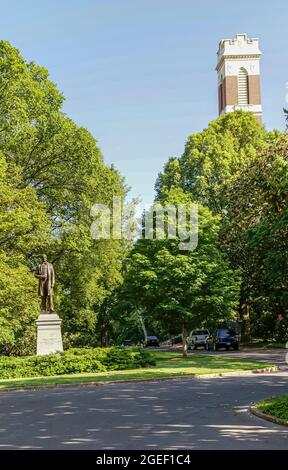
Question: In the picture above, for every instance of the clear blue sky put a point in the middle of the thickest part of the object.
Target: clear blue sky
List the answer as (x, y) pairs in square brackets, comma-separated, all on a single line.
[(139, 74)]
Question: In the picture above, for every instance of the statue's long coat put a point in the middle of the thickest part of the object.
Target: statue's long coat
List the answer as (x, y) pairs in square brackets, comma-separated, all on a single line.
[(45, 283)]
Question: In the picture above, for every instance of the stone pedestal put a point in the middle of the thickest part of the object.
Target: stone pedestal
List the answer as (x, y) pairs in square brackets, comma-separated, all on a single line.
[(49, 337)]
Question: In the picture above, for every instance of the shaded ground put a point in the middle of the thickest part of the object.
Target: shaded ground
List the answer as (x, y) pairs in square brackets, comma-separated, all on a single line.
[(177, 414)]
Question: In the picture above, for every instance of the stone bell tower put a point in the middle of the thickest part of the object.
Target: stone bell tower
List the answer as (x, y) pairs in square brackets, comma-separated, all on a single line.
[(238, 69)]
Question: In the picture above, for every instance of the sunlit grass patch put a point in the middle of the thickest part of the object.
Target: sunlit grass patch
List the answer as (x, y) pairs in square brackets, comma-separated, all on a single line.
[(168, 365)]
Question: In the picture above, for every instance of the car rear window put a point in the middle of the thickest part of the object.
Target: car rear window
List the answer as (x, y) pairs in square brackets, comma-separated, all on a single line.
[(226, 332), (200, 332)]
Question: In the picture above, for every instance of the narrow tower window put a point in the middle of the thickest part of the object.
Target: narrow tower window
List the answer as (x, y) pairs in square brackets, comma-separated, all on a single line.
[(243, 87), (221, 98)]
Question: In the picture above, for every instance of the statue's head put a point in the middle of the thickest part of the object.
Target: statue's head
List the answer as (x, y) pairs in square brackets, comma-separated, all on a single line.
[(44, 258)]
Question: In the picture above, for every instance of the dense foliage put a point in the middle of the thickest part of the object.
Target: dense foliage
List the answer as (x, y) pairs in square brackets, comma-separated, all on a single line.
[(52, 172), (213, 158), (255, 234), (75, 361), (24, 227), (181, 289), (239, 171), (277, 406)]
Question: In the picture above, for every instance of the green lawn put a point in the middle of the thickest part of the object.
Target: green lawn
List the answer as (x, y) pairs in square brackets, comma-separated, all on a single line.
[(167, 365), (277, 407)]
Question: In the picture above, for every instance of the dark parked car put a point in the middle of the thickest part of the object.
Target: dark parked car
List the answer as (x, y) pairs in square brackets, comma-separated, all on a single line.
[(223, 338), (127, 342), (152, 341)]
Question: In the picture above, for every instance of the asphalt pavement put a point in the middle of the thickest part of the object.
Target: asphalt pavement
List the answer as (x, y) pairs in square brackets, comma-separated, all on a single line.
[(175, 414)]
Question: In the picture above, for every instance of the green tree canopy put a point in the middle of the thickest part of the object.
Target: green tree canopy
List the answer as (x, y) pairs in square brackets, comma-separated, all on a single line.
[(218, 169), (24, 230), (61, 167), (255, 229), (213, 158), (180, 289)]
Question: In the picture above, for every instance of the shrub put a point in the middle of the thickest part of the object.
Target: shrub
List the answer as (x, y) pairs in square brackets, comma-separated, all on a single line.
[(121, 358), (75, 361), (277, 406)]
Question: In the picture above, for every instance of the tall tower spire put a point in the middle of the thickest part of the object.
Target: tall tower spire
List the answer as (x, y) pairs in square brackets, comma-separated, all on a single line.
[(238, 69)]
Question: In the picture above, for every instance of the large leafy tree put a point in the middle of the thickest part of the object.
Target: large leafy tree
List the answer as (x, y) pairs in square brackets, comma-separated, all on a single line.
[(24, 230), (65, 168), (256, 237), (212, 168), (181, 289), (213, 158)]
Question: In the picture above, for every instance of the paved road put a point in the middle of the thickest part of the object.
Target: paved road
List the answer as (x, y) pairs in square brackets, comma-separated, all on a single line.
[(277, 356), (176, 414)]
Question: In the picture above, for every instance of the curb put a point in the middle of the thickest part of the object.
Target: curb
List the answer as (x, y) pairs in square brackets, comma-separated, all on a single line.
[(237, 374), (254, 410), (159, 379)]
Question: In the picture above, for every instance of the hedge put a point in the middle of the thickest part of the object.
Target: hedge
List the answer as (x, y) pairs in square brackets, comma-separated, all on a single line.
[(75, 361)]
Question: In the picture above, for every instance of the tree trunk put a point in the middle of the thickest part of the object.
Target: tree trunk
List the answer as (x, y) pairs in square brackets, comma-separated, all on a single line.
[(184, 339), (142, 323), (245, 323)]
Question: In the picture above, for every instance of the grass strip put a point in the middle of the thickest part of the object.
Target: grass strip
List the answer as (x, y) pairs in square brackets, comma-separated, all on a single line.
[(168, 365)]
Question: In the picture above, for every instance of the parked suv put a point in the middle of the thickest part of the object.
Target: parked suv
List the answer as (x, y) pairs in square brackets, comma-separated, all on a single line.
[(197, 338), (223, 338)]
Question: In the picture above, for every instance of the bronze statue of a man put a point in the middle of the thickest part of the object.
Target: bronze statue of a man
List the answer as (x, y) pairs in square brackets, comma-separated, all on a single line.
[(45, 273)]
